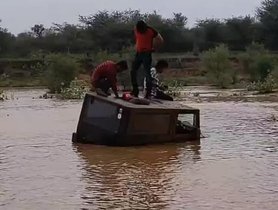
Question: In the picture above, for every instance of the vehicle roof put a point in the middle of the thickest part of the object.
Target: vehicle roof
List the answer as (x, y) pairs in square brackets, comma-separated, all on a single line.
[(155, 104)]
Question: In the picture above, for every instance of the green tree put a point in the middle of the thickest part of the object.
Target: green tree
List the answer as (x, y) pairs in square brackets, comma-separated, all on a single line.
[(38, 30), (217, 65), (112, 32), (239, 32), (268, 16), (6, 40), (23, 44), (212, 32), (179, 20), (69, 35)]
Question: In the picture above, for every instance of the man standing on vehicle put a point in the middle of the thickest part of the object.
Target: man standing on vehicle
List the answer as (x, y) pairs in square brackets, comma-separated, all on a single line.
[(145, 36)]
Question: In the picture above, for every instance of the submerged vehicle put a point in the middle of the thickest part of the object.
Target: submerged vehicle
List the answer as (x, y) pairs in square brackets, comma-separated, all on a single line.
[(115, 122)]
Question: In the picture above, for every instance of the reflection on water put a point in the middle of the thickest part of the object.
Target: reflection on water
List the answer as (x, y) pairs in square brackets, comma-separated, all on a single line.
[(235, 167), (128, 177)]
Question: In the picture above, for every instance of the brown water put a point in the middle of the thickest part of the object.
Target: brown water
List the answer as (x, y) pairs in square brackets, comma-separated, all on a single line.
[(235, 167)]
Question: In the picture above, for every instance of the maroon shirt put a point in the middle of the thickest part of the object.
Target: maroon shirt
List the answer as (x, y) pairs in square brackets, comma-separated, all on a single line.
[(107, 70)]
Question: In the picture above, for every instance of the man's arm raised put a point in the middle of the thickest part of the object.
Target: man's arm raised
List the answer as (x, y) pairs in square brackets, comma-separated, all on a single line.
[(158, 41)]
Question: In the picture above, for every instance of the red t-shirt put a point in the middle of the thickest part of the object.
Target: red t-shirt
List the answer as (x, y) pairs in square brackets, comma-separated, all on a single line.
[(144, 42), (107, 70)]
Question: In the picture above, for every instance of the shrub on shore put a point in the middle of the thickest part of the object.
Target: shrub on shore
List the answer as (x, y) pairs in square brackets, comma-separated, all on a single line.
[(262, 68), (217, 65), (257, 62), (266, 86), (60, 72)]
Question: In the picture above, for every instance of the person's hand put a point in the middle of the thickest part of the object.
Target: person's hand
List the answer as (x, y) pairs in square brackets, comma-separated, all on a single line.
[(157, 42)]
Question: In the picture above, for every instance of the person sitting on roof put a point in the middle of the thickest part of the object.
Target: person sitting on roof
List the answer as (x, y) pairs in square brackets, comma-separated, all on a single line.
[(158, 88), (104, 77)]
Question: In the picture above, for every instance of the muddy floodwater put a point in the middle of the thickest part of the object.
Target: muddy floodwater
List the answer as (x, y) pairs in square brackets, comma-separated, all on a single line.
[(234, 167)]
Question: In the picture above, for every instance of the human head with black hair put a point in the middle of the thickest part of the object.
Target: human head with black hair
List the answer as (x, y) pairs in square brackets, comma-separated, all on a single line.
[(161, 65), (122, 66), (141, 26)]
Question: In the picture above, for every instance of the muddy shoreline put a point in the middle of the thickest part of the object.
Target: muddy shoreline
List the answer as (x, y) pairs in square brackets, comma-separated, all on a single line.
[(196, 94)]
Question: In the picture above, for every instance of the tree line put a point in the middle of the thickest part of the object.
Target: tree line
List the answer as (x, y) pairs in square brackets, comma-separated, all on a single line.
[(113, 32)]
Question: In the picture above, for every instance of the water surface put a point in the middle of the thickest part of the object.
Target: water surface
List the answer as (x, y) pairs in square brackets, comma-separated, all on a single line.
[(235, 167)]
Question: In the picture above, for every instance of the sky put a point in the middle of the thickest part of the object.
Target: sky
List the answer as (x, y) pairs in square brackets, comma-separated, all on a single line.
[(20, 15)]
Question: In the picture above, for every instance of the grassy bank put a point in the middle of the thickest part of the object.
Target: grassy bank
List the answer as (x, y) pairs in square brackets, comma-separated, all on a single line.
[(39, 81), (219, 67), (23, 82)]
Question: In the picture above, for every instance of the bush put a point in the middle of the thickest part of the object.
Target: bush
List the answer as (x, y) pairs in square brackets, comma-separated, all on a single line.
[(275, 72), (257, 62), (217, 65), (104, 55), (262, 66), (266, 86), (255, 49), (174, 88), (76, 90), (60, 72)]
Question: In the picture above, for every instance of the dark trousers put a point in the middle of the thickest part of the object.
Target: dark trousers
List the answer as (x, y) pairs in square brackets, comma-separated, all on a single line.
[(104, 84), (144, 58), (161, 95)]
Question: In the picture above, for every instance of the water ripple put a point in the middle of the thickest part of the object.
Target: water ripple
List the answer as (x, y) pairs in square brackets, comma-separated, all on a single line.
[(235, 167)]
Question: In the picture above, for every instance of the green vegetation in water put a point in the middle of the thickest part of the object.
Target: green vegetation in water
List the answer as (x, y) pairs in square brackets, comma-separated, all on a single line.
[(174, 87), (76, 90)]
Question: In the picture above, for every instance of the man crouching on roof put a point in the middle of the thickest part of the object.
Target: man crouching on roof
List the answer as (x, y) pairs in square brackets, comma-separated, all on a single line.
[(104, 77)]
